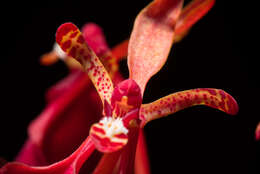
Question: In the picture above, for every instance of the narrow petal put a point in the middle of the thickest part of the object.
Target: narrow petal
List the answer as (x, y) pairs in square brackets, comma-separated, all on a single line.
[(151, 39), (170, 104), (257, 132), (120, 50), (73, 43), (142, 165), (191, 13), (70, 165)]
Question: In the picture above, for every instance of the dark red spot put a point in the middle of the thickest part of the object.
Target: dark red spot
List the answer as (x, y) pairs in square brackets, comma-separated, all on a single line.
[(212, 91), (121, 135), (73, 34), (66, 45), (72, 52), (80, 39)]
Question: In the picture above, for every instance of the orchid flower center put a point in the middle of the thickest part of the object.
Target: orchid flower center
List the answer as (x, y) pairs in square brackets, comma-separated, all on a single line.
[(113, 126)]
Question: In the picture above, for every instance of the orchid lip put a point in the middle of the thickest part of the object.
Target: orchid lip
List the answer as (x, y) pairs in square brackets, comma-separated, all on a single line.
[(113, 126)]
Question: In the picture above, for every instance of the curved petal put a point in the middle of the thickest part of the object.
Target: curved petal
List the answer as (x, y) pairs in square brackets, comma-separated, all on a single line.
[(70, 165), (142, 165), (215, 98), (31, 154), (191, 13), (151, 39), (55, 126), (73, 43)]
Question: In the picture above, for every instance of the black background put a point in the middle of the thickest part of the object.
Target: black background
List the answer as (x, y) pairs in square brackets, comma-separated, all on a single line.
[(219, 52)]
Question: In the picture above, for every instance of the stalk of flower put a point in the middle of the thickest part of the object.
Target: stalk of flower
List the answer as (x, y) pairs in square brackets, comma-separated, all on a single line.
[(121, 117)]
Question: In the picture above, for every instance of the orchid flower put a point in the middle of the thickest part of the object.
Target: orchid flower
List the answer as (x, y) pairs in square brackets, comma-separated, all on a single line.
[(116, 134)]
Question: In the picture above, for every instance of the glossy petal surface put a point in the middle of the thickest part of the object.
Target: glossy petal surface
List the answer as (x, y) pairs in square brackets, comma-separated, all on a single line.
[(73, 43), (170, 104), (70, 165), (151, 39)]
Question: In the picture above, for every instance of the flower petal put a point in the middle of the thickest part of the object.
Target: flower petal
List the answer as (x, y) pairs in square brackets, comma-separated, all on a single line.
[(151, 39), (31, 154), (191, 13), (120, 50), (109, 134), (142, 165), (170, 104), (73, 43), (70, 165), (55, 126), (257, 132)]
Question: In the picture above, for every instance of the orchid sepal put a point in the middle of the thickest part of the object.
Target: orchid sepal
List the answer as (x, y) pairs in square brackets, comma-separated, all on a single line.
[(151, 39), (72, 42), (215, 98)]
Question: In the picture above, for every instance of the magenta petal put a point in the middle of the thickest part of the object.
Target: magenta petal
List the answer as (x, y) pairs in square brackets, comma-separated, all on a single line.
[(31, 154), (70, 165), (68, 115), (95, 38)]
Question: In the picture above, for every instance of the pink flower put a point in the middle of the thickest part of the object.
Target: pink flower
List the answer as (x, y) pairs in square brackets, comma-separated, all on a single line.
[(57, 132)]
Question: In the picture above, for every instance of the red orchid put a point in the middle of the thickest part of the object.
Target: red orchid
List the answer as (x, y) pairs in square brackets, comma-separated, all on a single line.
[(124, 114), (257, 132)]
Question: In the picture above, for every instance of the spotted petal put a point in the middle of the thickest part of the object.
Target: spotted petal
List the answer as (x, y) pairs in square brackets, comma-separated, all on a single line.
[(151, 39), (170, 104), (72, 42)]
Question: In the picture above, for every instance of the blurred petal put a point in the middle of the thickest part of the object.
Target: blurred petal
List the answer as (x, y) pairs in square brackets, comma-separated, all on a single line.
[(31, 154), (67, 84), (191, 13), (73, 43), (107, 163), (257, 132), (95, 38), (120, 50), (170, 104), (56, 124), (142, 165), (49, 58), (151, 39), (70, 165)]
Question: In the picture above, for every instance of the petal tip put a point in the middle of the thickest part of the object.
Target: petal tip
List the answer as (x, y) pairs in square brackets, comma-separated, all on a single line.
[(63, 30)]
